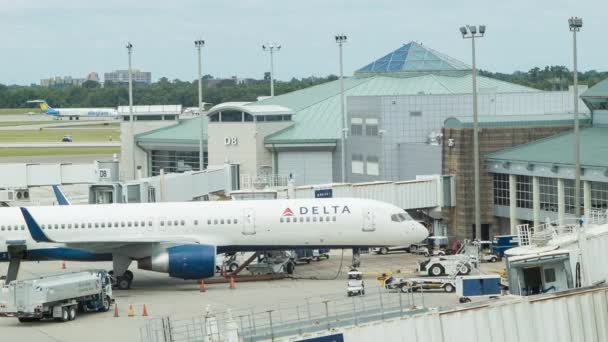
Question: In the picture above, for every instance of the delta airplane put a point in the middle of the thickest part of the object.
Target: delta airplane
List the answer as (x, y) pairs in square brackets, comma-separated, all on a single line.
[(183, 239), (75, 113)]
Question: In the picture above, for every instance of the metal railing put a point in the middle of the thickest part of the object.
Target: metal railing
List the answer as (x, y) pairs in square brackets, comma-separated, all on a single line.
[(249, 182), (540, 235), (280, 320)]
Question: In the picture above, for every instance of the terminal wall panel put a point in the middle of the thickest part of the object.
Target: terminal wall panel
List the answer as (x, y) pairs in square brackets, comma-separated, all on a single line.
[(13, 175), (307, 167), (43, 174), (419, 159)]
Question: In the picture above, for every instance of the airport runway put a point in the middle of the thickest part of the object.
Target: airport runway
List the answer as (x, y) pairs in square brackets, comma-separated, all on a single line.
[(58, 125), (59, 144), (180, 299)]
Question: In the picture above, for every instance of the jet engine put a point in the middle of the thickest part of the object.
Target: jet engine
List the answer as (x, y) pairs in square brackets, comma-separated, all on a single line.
[(184, 261)]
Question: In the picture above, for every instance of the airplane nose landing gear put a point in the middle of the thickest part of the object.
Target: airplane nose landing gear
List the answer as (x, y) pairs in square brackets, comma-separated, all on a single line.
[(356, 262)]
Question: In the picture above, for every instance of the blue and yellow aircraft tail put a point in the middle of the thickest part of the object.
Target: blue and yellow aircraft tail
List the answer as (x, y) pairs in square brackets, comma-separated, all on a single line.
[(45, 108)]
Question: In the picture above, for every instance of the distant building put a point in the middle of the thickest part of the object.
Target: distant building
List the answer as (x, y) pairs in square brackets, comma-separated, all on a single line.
[(59, 81), (122, 76), (214, 82), (93, 76)]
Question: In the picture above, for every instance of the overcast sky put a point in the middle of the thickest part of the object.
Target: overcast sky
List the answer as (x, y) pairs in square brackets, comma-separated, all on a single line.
[(44, 38)]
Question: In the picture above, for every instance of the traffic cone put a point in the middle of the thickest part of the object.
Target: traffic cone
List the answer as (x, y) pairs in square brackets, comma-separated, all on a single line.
[(202, 286), (145, 312), (63, 265), (232, 283), (131, 313), (116, 310)]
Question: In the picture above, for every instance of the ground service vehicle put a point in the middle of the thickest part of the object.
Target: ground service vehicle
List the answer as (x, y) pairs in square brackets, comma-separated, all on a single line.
[(388, 249), (356, 286), (445, 265), (58, 297)]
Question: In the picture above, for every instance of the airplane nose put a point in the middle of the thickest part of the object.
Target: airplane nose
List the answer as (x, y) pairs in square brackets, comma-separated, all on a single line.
[(422, 232)]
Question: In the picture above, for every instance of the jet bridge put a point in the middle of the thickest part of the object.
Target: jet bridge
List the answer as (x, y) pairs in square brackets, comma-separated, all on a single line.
[(174, 187), (17, 179)]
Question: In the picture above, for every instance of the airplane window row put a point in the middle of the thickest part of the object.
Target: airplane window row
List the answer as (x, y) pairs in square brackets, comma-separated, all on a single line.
[(308, 219), (96, 225), (9, 228), (222, 221)]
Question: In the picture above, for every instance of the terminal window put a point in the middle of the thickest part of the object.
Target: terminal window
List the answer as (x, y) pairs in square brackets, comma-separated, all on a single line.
[(372, 167), (524, 192), (357, 164), (599, 195), (501, 189), (548, 193), (356, 126), (371, 127)]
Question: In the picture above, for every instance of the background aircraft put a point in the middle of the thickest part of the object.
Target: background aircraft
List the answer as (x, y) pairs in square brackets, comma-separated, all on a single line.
[(75, 113)]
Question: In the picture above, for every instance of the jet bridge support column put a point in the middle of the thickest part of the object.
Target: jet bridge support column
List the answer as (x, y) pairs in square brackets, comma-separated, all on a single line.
[(16, 252)]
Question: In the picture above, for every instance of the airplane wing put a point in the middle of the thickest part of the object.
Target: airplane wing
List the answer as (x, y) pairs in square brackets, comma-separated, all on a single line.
[(102, 243)]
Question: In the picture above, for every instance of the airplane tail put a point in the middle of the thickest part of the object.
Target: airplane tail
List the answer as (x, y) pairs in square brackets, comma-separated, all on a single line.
[(45, 108), (61, 198)]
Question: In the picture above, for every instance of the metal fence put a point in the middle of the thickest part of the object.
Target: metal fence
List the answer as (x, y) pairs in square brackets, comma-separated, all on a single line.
[(287, 319)]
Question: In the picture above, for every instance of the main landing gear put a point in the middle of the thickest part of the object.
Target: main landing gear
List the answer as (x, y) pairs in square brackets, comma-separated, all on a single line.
[(122, 282)]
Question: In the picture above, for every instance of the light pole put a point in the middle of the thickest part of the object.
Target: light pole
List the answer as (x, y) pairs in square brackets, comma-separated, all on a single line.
[(131, 125), (470, 32), (340, 40), (199, 45), (271, 47), (575, 24)]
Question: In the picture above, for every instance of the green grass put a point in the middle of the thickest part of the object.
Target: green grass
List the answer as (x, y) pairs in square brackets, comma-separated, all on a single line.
[(55, 135), (23, 123), (29, 151), (17, 111)]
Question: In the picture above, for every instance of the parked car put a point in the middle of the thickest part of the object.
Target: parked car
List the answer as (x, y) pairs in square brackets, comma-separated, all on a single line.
[(66, 138)]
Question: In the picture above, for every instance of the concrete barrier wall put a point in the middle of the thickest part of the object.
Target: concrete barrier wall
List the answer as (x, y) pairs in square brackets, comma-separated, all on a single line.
[(579, 315)]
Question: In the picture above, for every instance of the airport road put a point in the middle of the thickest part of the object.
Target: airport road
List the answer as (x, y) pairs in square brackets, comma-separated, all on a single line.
[(180, 299), (59, 144)]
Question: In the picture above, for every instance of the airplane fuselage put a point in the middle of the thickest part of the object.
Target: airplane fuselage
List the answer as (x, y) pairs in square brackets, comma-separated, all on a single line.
[(230, 225)]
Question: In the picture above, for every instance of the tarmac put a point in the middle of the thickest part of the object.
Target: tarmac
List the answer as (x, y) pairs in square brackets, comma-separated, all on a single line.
[(179, 299)]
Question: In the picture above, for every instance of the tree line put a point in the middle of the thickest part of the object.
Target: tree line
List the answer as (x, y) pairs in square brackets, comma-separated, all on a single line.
[(93, 94), (554, 77)]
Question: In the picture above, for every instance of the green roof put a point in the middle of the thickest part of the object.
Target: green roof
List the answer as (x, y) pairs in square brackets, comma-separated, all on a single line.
[(317, 108), (598, 90), (527, 120), (559, 149), (185, 132)]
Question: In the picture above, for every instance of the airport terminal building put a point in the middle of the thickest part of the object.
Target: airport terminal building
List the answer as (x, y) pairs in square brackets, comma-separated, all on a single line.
[(527, 174), (395, 108)]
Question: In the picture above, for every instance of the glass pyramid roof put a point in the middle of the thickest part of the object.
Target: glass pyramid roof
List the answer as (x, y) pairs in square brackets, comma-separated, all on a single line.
[(414, 57)]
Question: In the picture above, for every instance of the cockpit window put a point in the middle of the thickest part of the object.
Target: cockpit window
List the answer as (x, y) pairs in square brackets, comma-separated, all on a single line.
[(400, 217)]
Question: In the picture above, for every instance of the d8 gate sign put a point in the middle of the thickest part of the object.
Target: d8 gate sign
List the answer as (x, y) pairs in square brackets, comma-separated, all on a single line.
[(231, 141)]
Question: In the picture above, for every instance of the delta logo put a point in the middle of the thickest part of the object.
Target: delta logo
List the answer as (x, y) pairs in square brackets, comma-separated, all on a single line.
[(287, 212)]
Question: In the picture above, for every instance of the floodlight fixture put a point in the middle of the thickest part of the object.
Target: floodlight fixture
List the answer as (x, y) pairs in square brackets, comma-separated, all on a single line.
[(482, 29), (575, 23), (463, 30)]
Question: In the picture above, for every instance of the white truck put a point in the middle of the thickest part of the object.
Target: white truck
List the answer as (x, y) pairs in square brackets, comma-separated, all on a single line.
[(59, 297)]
